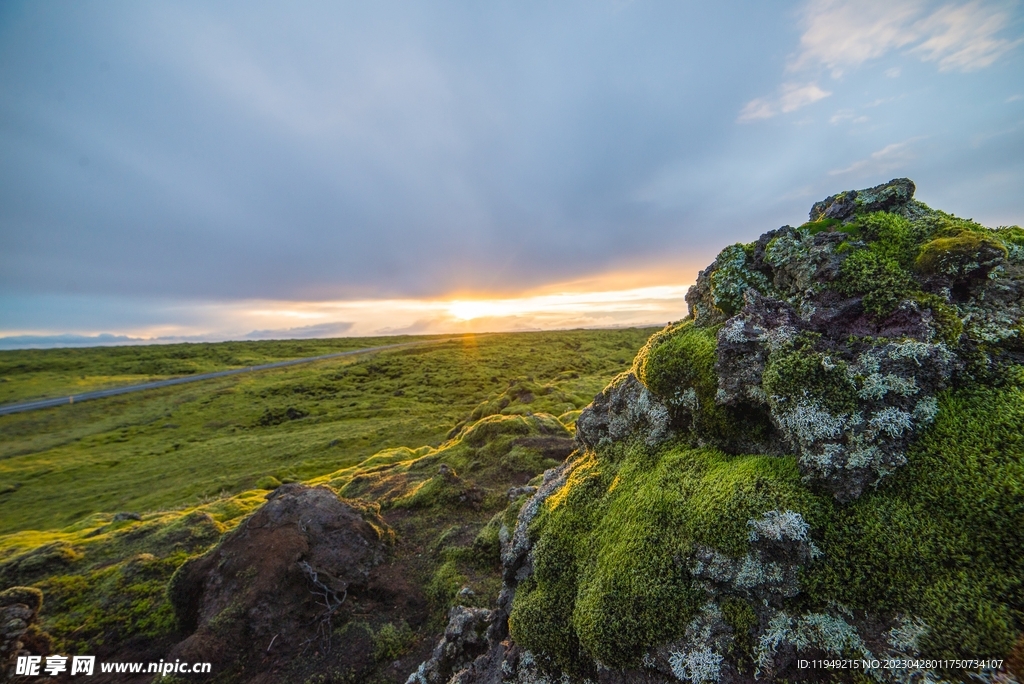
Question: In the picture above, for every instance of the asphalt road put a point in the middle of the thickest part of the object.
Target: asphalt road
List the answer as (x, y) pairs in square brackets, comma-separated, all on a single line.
[(114, 391)]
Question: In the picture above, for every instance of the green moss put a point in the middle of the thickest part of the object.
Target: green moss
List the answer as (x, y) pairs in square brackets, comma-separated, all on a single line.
[(679, 358), (525, 396), (1012, 238), (485, 553), (678, 365), (879, 269), (892, 236), (268, 482), (444, 585), (732, 277), (392, 641), (942, 538), (31, 565), (440, 491), (28, 596), (796, 372), (740, 616), (110, 605), (491, 427), (611, 574), (881, 280), (818, 226), (960, 255), (945, 318)]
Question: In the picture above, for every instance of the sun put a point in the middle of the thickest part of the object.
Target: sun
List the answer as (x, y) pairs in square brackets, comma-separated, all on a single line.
[(468, 310)]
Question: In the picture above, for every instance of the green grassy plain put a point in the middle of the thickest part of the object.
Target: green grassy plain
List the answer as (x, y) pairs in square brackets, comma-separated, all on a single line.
[(29, 374), (193, 460), (180, 446)]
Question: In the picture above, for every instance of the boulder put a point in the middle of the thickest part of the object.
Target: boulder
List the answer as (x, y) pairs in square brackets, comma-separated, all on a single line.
[(275, 583)]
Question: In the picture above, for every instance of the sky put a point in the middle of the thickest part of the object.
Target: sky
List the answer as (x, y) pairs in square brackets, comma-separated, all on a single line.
[(229, 170)]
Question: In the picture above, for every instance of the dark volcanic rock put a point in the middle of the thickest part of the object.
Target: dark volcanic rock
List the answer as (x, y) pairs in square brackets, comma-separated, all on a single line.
[(621, 409), (892, 196), (274, 583), (19, 633), (465, 638)]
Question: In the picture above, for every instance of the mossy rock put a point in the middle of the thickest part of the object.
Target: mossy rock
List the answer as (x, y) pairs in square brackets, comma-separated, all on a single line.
[(678, 359), (444, 490), (797, 373), (31, 565), (879, 270), (491, 427), (967, 255), (732, 276), (942, 538), (27, 596), (611, 574)]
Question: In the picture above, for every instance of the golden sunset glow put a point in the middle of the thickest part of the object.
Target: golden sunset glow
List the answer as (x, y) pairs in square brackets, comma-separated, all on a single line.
[(262, 319)]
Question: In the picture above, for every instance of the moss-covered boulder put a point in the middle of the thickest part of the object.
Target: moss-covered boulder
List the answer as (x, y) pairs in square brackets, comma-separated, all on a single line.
[(826, 460)]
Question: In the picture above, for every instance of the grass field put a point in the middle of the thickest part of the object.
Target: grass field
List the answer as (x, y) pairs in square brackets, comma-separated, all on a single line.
[(179, 446), (193, 460), (30, 374)]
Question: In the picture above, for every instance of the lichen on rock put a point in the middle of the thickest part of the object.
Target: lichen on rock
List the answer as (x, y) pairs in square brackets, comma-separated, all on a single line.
[(824, 460)]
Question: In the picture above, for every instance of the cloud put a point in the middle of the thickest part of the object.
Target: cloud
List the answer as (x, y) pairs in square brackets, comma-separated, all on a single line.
[(963, 38), (889, 158), (66, 340), (791, 97), (846, 115), (218, 321), (843, 34), (839, 33), (1014, 98), (302, 332)]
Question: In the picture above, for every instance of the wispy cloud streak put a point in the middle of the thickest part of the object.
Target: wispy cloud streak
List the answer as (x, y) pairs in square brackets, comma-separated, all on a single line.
[(841, 34)]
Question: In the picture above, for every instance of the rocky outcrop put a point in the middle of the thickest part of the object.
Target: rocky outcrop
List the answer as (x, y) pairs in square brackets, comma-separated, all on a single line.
[(19, 633), (845, 331), (465, 638), (663, 551), (276, 582), (622, 409)]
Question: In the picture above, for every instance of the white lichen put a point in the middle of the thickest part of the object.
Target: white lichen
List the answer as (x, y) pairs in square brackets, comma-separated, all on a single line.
[(829, 633), (926, 410), (735, 330), (862, 456), (779, 526), (866, 364), (773, 636), (809, 422), (696, 666), (905, 636), (777, 338), (753, 573), (892, 421), (876, 386), (825, 458), (688, 398)]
